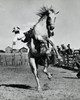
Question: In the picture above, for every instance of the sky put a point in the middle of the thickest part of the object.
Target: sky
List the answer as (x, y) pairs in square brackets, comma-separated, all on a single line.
[(21, 12)]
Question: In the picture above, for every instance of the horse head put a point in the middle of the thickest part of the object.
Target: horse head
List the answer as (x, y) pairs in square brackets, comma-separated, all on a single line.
[(50, 15)]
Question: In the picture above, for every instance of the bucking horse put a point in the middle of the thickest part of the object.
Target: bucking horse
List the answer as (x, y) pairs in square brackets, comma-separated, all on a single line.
[(39, 40)]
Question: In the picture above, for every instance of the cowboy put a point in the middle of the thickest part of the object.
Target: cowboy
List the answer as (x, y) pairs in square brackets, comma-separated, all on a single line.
[(16, 30), (18, 36)]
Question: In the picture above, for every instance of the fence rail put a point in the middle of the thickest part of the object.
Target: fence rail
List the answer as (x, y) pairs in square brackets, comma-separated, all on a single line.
[(69, 60), (15, 59)]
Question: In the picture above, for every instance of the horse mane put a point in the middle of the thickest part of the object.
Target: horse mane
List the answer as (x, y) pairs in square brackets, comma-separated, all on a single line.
[(43, 12)]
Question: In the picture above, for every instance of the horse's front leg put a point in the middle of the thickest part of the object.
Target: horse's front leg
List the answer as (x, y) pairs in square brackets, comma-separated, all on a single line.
[(45, 70), (35, 72)]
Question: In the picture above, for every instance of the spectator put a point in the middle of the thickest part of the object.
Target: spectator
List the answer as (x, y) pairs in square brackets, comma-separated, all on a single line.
[(69, 51), (77, 60), (59, 49), (63, 49)]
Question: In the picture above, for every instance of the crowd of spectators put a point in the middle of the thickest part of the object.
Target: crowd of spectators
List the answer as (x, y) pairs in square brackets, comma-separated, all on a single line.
[(63, 50)]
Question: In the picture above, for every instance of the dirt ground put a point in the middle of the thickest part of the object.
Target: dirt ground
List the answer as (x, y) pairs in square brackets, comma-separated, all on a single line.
[(18, 83)]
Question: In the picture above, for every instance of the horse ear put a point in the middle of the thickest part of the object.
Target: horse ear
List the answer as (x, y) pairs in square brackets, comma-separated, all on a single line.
[(57, 12), (18, 28), (13, 28), (47, 12)]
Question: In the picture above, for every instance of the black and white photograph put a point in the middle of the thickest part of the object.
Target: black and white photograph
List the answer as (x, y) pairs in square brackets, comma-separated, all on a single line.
[(39, 50)]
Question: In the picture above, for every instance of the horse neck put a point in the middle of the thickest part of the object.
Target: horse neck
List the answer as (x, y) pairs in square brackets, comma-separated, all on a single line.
[(40, 28)]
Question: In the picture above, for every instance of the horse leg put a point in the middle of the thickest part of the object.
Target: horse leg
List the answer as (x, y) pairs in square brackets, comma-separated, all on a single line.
[(35, 72), (49, 75)]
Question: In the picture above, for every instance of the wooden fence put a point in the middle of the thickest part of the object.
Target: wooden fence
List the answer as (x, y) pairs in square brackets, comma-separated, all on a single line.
[(69, 60), (13, 59)]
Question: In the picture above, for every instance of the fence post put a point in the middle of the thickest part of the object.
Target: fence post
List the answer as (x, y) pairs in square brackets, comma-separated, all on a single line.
[(0, 59), (13, 59)]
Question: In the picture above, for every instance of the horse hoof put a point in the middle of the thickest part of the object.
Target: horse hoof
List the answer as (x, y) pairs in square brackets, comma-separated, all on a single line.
[(39, 89), (50, 77)]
